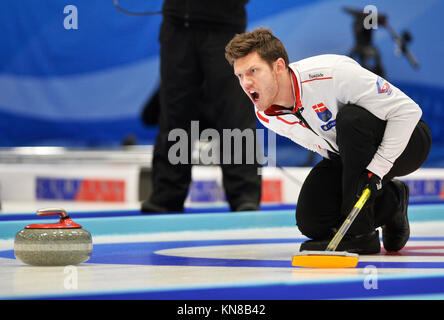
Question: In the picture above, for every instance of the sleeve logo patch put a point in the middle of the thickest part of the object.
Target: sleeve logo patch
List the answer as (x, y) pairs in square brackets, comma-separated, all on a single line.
[(383, 86)]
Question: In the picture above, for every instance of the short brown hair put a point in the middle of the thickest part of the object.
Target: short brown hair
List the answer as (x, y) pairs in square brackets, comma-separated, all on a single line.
[(261, 41)]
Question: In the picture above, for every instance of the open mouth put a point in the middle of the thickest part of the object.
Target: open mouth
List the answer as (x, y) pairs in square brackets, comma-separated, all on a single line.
[(254, 95)]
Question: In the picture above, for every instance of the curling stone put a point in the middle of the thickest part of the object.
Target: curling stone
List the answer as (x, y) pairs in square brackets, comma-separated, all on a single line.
[(54, 244)]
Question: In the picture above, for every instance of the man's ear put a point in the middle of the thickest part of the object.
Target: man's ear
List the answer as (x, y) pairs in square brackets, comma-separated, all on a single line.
[(279, 65)]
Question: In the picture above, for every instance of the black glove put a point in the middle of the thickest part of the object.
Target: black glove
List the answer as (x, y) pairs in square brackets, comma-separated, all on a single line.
[(372, 181)]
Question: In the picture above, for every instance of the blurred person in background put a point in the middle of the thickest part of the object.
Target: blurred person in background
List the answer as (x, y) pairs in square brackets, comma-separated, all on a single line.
[(197, 84)]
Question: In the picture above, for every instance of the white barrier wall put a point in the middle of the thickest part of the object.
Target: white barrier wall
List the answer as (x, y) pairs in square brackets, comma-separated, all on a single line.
[(120, 183), (282, 185), (101, 183)]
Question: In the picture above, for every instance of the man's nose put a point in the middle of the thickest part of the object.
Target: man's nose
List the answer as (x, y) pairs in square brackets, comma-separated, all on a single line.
[(247, 82)]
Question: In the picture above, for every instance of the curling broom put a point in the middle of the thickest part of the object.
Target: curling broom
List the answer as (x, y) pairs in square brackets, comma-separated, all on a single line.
[(331, 258)]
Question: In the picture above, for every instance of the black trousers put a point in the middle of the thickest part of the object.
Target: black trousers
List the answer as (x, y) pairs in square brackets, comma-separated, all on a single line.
[(329, 191), (198, 84)]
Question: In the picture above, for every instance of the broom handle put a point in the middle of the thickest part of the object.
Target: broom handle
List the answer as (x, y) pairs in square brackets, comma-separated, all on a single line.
[(348, 221)]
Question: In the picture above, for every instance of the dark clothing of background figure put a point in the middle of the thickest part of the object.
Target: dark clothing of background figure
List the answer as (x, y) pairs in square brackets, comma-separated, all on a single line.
[(329, 191), (228, 15), (197, 83), (151, 110)]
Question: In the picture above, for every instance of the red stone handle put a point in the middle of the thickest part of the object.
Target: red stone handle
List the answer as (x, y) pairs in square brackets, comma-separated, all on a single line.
[(53, 212), (64, 223)]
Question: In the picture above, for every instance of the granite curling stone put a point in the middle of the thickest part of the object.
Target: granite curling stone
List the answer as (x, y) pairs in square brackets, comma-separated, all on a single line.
[(54, 244)]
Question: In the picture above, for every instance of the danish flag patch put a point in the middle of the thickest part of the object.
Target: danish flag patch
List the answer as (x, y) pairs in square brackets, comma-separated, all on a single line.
[(323, 113)]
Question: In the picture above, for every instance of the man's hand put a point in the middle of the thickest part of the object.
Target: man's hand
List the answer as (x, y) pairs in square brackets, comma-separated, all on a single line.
[(372, 181)]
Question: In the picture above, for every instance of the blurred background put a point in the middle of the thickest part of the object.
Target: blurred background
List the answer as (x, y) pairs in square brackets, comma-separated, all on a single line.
[(87, 87)]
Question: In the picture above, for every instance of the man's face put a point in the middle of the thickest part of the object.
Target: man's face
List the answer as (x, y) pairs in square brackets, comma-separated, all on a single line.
[(258, 80)]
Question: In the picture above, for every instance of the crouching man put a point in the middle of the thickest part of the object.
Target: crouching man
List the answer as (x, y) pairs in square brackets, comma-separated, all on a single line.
[(366, 129)]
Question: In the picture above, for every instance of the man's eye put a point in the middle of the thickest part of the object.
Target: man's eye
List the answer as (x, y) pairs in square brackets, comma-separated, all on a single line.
[(253, 70)]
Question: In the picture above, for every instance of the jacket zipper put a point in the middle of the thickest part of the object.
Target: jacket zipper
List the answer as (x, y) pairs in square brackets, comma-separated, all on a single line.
[(301, 118)]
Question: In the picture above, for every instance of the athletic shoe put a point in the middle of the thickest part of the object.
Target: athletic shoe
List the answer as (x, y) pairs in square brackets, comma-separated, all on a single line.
[(396, 232), (360, 244), (247, 206), (148, 207)]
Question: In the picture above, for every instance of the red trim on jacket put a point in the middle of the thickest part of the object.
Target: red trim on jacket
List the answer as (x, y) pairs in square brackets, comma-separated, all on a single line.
[(262, 117), (288, 122), (317, 79), (275, 110), (296, 91)]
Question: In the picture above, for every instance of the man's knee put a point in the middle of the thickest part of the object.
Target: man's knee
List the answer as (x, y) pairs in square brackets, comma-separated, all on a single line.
[(356, 124), (350, 117), (310, 226)]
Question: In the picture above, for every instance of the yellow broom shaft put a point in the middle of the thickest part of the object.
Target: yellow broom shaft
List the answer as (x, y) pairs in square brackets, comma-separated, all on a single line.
[(348, 221)]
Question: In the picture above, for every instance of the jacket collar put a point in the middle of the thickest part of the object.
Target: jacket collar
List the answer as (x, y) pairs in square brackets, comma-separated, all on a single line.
[(276, 110)]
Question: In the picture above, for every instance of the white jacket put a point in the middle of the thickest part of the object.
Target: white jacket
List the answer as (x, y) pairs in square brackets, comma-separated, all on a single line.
[(322, 86)]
